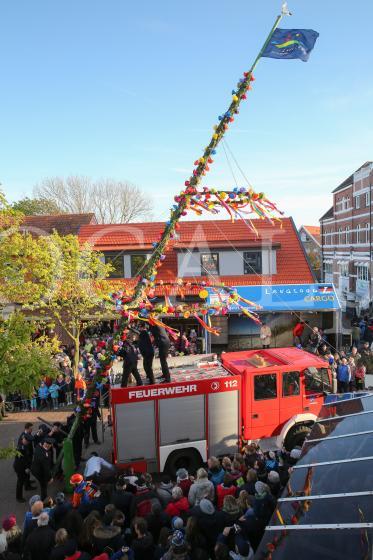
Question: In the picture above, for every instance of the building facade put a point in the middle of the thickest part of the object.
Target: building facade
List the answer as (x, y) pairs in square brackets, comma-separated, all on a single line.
[(346, 236), (217, 252), (311, 239)]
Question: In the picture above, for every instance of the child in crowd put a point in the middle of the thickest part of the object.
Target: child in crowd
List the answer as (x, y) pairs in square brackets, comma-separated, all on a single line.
[(53, 391), (43, 393), (33, 400)]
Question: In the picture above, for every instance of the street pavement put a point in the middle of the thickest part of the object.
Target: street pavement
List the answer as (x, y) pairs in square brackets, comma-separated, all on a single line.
[(10, 429)]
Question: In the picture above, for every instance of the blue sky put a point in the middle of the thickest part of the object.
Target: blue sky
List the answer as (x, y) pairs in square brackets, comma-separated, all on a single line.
[(131, 90)]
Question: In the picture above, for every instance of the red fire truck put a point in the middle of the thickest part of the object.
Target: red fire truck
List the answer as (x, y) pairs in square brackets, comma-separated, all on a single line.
[(208, 408)]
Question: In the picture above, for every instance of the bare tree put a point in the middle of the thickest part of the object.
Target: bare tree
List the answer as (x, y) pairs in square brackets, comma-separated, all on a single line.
[(112, 201)]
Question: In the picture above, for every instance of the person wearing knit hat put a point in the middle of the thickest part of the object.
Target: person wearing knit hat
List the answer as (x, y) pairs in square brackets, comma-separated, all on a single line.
[(9, 522), (177, 523), (177, 539), (178, 549), (183, 480), (13, 535), (33, 499), (206, 507)]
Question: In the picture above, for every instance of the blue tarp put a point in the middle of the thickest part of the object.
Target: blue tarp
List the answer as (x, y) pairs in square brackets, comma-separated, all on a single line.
[(284, 297)]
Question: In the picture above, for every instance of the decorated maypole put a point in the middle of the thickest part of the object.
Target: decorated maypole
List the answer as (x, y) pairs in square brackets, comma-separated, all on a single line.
[(136, 303), (203, 164)]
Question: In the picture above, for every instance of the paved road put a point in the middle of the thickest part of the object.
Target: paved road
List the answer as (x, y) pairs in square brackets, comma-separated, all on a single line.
[(10, 429)]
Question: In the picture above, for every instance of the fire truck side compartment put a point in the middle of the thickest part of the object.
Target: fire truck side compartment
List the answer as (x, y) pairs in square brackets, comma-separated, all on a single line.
[(182, 420), (135, 431), (223, 418)]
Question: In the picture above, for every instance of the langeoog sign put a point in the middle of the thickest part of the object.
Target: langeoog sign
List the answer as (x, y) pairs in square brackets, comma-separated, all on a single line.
[(285, 297)]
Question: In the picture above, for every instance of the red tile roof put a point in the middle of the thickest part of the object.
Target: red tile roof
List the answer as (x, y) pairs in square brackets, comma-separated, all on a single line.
[(314, 231), (64, 224), (292, 265)]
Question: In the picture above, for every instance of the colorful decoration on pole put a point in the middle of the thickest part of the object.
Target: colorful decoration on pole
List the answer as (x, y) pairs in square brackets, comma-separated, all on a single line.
[(238, 203), (150, 310), (191, 198)]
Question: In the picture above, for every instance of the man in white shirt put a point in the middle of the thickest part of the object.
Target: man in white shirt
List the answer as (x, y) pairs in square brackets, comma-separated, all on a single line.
[(98, 470)]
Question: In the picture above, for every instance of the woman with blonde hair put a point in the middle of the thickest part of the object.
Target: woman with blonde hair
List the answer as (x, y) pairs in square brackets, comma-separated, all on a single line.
[(201, 488)]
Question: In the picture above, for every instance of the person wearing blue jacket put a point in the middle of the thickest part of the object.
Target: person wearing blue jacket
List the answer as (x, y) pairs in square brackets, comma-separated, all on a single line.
[(43, 394), (343, 376), (216, 472), (53, 391)]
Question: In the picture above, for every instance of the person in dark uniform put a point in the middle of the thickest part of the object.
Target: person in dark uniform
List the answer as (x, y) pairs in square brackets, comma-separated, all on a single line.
[(22, 465), (77, 438), (147, 352), (30, 450), (163, 342), (41, 465), (129, 355)]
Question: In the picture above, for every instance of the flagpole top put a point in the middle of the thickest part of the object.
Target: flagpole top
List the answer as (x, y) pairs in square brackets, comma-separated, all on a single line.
[(285, 10)]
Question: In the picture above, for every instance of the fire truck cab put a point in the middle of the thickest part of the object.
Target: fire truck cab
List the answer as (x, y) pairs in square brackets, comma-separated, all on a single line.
[(209, 407)]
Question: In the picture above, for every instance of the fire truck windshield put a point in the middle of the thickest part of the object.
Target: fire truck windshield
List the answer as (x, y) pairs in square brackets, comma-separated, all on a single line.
[(317, 380)]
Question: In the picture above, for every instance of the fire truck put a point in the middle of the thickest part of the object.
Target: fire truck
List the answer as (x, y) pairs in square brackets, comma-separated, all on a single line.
[(210, 408)]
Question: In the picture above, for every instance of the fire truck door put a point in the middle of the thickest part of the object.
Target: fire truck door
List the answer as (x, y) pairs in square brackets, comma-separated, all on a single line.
[(264, 405), (291, 401), (135, 432)]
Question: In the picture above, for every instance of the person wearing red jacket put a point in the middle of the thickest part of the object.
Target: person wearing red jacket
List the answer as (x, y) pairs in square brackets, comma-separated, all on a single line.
[(298, 332), (226, 488), (179, 503)]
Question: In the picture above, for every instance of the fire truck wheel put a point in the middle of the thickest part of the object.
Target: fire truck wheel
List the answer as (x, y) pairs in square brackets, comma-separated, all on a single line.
[(296, 436), (188, 459)]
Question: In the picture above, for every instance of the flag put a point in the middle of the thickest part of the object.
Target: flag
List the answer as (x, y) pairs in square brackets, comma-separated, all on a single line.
[(291, 43)]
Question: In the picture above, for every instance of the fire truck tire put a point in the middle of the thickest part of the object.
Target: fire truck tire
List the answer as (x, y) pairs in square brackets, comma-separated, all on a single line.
[(189, 459), (296, 436)]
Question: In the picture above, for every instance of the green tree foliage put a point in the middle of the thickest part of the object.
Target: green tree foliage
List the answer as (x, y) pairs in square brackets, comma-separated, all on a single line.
[(56, 277), (36, 206), (23, 359)]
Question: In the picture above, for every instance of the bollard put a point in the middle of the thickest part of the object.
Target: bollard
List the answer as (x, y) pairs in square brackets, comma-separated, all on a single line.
[(68, 463)]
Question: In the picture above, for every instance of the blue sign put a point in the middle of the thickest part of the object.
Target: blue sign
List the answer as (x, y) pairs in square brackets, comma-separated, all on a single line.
[(283, 297)]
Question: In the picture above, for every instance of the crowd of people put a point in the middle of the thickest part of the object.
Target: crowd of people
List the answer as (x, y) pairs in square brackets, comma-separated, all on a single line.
[(350, 367), (220, 513), (60, 388)]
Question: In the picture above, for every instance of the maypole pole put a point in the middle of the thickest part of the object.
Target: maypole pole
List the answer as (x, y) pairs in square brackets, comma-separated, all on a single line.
[(149, 272), (183, 201)]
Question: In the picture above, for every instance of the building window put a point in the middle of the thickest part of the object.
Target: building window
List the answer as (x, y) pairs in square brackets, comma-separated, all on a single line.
[(340, 236), (358, 233), (137, 263), (348, 236), (363, 273), (252, 262), (367, 230), (290, 384), (343, 269), (367, 198), (357, 202), (117, 262), (328, 268), (209, 264), (265, 387)]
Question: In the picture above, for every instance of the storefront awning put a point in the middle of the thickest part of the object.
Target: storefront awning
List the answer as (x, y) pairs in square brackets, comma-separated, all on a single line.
[(282, 297)]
